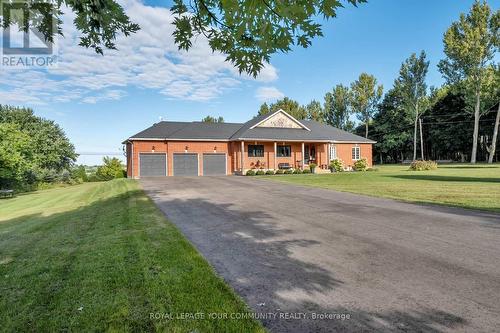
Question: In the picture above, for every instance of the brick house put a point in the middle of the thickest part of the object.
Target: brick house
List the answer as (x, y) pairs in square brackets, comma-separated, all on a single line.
[(272, 141)]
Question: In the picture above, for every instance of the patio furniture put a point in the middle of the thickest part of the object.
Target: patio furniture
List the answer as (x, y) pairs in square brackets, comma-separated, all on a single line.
[(6, 193), (284, 166)]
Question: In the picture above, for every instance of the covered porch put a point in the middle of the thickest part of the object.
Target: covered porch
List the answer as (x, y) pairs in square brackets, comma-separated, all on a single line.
[(274, 155)]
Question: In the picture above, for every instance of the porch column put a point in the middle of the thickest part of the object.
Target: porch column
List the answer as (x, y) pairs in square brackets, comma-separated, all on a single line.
[(275, 154), (303, 151), (242, 154)]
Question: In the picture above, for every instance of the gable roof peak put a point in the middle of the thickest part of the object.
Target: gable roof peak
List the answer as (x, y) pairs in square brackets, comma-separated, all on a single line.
[(267, 117)]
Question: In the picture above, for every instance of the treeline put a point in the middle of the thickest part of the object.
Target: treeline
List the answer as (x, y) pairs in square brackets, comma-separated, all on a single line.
[(458, 121), (35, 152)]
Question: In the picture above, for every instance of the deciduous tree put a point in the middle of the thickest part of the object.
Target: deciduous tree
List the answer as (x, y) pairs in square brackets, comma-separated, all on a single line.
[(247, 32), (315, 111), (413, 89), (470, 45), (210, 119), (286, 104), (338, 108), (364, 98)]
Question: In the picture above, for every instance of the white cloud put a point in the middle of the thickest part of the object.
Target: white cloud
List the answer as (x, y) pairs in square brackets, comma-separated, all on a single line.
[(266, 94), (147, 59)]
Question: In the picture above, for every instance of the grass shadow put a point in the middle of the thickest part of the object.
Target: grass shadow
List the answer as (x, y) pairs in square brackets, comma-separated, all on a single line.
[(446, 178)]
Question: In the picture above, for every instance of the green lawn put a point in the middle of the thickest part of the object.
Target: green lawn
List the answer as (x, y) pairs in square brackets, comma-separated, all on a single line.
[(102, 257), (461, 185)]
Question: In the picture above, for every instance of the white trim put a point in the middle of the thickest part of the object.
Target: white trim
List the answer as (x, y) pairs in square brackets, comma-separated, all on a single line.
[(286, 114), (150, 153), (358, 148), (188, 153), (225, 155), (332, 148)]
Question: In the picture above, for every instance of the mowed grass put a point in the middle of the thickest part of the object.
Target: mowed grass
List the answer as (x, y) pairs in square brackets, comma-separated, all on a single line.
[(101, 257), (460, 185)]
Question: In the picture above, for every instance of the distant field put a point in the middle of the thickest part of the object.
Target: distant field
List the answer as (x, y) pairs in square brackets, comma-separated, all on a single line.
[(101, 257), (461, 185)]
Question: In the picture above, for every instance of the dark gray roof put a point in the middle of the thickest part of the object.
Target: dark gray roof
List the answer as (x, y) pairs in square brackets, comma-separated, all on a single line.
[(233, 131), (318, 131), (188, 130)]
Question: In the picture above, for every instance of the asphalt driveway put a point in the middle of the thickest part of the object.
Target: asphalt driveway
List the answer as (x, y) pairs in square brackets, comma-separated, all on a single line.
[(379, 264)]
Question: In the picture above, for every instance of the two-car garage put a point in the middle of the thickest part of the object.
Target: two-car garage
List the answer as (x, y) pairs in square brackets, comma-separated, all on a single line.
[(184, 164)]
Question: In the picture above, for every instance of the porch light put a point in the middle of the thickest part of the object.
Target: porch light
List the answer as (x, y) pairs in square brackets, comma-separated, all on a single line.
[(215, 149), (153, 149), (186, 149)]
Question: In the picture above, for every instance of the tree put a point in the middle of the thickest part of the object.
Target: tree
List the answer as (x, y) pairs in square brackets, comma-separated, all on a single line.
[(470, 45), (15, 155), (248, 32), (365, 97), (492, 98), (413, 89), (338, 108), (210, 119), (264, 109), (51, 147), (315, 111), (391, 128), (39, 147), (286, 104), (111, 168)]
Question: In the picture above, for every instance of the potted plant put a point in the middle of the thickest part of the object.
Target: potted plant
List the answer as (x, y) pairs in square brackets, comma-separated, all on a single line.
[(312, 167)]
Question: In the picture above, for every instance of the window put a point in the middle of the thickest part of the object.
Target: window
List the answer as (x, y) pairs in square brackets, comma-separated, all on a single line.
[(284, 151), (255, 150), (333, 152), (355, 153)]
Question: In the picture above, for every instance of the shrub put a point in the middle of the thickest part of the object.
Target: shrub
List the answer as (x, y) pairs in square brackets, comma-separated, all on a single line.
[(111, 167), (312, 166), (279, 172), (360, 165), (269, 172), (297, 172), (250, 173), (306, 171), (423, 165), (288, 171), (260, 173), (336, 165), (78, 173)]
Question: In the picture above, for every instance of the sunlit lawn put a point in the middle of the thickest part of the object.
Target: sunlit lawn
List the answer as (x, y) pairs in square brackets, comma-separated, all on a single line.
[(462, 185), (101, 257)]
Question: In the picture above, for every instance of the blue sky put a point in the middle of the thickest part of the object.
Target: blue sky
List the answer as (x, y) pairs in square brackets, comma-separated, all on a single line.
[(99, 102)]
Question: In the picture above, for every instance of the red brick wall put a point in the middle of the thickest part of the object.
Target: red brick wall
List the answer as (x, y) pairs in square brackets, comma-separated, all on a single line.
[(344, 152), (233, 150)]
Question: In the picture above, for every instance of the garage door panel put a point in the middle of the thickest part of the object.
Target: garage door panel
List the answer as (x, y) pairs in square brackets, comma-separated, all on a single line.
[(153, 165), (214, 164), (185, 164)]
